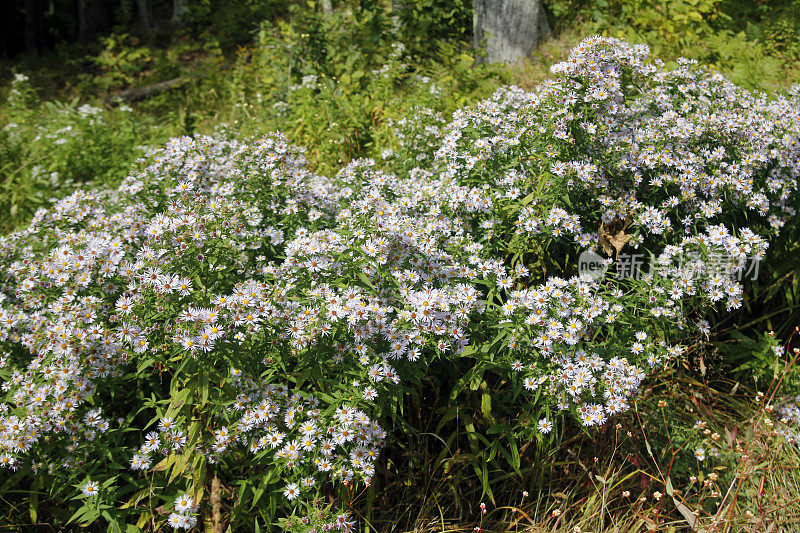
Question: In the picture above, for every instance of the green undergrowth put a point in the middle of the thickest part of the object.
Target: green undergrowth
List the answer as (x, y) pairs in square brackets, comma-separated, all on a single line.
[(754, 44), (333, 84)]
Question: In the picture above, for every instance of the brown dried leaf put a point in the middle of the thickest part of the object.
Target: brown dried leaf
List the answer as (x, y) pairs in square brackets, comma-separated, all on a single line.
[(612, 235)]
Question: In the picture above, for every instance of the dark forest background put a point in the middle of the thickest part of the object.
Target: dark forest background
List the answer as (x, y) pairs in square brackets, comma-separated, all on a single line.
[(35, 27)]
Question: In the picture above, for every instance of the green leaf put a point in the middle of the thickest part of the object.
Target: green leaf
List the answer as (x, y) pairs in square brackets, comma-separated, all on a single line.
[(204, 386), (113, 526), (165, 463), (179, 466), (486, 404), (515, 460), (262, 486), (33, 504), (499, 428), (177, 401), (79, 515), (143, 519), (365, 280)]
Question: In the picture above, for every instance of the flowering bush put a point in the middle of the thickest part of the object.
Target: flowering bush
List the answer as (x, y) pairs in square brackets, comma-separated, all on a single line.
[(228, 313)]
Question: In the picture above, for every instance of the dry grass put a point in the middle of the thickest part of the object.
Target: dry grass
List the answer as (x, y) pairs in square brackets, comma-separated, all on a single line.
[(639, 475)]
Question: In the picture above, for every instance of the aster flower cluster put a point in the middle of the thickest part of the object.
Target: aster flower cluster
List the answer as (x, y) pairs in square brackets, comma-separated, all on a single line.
[(663, 161), (228, 309), (666, 149), (566, 338), (183, 517), (184, 263)]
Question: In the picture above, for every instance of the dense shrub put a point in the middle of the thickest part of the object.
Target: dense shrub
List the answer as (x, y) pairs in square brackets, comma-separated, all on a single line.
[(227, 317)]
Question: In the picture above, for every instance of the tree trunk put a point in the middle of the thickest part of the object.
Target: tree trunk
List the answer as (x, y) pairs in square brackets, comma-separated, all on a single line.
[(145, 16), (32, 37), (92, 18), (178, 10), (397, 9), (83, 21), (327, 7), (140, 93), (124, 11), (510, 29)]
